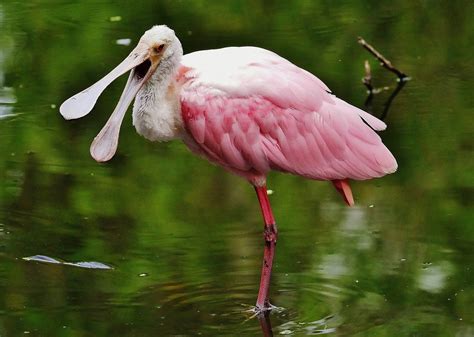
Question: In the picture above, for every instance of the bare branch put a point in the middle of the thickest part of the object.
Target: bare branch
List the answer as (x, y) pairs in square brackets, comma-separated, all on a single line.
[(384, 62)]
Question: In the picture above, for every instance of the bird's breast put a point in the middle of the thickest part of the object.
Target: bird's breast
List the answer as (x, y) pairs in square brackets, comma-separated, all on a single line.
[(157, 115)]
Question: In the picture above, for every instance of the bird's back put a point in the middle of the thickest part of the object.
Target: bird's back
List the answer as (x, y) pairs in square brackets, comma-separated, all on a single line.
[(251, 111)]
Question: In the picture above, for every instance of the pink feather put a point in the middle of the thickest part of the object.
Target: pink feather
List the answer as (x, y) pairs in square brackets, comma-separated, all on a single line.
[(251, 111)]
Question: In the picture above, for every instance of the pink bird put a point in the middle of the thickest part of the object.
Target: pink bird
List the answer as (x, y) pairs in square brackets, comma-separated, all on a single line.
[(246, 109)]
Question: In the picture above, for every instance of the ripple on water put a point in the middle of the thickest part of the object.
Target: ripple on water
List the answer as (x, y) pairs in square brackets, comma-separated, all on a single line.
[(322, 326)]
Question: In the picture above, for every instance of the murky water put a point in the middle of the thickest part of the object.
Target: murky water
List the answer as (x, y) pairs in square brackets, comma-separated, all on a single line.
[(183, 238)]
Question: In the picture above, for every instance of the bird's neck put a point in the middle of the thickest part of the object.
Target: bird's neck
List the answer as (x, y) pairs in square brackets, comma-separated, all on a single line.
[(157, 110)]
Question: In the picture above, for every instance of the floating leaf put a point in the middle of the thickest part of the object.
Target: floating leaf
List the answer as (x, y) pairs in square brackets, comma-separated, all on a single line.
[(42, 258), (85, 264), (90, 265)]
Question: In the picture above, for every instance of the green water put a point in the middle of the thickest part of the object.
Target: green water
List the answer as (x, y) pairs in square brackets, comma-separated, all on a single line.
[(184, 237)]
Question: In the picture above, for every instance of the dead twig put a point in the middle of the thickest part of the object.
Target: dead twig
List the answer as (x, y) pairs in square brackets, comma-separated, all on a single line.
[(383, 61), (367, 80)]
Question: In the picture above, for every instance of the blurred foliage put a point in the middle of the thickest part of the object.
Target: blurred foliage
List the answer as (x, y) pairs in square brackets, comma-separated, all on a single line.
[(184, 236)]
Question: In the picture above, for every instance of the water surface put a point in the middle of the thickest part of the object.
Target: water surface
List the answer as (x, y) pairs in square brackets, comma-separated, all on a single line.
[(183, 238)]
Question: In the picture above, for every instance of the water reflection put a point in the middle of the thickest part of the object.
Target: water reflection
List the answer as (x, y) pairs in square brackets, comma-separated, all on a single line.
[(368, 104), (7, 94), (184, 238), (433, 278), (265, 324), (390, 99), (322, 326)]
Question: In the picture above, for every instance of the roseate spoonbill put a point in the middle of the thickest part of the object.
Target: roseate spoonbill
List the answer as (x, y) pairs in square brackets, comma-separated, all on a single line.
[(246, 109)]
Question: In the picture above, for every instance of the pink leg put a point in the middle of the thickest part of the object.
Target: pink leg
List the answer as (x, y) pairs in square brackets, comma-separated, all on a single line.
[(270, 235)]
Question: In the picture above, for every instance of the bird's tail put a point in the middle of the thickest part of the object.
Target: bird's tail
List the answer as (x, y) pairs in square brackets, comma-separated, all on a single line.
[(343, 187)]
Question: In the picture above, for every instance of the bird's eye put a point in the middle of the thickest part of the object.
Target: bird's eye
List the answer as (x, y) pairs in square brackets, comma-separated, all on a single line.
[(159, 49)]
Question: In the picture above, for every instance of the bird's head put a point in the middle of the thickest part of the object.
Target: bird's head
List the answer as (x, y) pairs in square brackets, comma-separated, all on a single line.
[(155, 57), (158, 47)]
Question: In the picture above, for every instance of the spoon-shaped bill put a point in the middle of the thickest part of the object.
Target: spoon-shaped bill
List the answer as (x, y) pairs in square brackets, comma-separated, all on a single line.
[(82, 103), (105, 143)]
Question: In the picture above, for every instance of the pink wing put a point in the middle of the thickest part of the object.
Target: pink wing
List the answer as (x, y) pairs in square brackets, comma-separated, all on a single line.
[(252, 111)]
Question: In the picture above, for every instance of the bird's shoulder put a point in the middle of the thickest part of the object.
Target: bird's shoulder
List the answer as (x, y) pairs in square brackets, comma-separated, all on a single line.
[(252, 71), (229, 57)]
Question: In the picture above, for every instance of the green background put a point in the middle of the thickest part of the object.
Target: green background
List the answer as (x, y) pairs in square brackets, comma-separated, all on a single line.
[(183, 236)]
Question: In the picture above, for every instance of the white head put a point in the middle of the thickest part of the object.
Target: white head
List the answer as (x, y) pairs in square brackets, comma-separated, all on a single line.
[(154, 59), (164, 50)]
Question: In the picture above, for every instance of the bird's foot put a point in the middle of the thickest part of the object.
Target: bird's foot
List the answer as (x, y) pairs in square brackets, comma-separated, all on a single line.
[(258, 310)]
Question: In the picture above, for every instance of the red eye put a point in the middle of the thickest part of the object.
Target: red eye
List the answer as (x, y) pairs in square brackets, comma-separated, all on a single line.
[(159, 49)]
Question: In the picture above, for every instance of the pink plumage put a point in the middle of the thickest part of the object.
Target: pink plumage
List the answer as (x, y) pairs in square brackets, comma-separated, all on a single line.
[(253, 111), (244, 108)]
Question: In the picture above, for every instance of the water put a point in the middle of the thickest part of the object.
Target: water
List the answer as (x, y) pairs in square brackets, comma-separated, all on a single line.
[(181, 239)]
